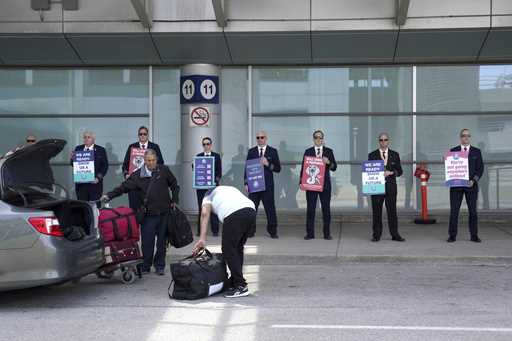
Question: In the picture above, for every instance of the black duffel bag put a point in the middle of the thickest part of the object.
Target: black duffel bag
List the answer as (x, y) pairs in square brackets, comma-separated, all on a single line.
[(179, 232), (198, 276)]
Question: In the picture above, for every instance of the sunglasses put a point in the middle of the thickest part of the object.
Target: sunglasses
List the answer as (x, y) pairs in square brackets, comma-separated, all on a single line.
[(261, 137), (383, 140), (465, 135), (318, 137), (206, 144), (31, 141), (143, 134)]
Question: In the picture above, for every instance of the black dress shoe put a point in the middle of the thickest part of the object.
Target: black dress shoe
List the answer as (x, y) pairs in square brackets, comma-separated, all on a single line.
[(274, 236), (476, 240), (375, 239), (215, 234), (329, 237), (398, 239), (450, 240), (251, 235), (306, 237)]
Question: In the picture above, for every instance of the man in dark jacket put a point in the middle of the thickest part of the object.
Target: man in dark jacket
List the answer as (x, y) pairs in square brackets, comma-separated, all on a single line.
[(92, 191), (270, 160), (153, 181), (393, 169), (327, 155), (476, 170), (135, 198), (207, 151)]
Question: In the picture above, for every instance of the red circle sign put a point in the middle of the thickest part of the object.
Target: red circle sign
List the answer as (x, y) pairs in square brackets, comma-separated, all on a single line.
[(200, 116)]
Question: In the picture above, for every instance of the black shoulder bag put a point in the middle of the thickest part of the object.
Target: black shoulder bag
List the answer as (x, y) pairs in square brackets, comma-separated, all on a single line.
[(143, 210)]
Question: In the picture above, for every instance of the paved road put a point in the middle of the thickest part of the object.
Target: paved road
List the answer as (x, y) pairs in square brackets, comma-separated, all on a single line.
[(336, 302)]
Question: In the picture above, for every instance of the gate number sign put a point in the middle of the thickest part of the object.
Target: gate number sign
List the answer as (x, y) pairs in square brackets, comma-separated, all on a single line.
[(199, 89)]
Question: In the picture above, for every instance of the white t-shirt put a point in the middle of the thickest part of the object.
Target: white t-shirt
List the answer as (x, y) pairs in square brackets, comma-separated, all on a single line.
[(226, 200)]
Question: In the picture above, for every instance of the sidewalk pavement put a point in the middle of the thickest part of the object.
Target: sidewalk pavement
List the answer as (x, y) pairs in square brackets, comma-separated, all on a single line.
[(425, 244)]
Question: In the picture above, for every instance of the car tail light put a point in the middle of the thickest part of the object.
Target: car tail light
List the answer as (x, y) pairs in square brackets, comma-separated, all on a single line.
[(46, 225)]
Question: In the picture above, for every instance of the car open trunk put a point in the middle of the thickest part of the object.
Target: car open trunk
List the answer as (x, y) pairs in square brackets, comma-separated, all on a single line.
[(27, 181), (70, 214)]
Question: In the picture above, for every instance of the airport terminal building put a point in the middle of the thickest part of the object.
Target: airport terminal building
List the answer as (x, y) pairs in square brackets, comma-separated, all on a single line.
[(418, 70)]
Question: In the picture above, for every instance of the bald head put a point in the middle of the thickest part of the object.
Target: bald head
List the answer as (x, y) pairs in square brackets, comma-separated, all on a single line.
[(261, 138), (383, 141), (30, 139)]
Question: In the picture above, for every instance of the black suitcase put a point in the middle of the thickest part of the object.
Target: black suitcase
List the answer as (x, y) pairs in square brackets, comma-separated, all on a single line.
[(198, 276)]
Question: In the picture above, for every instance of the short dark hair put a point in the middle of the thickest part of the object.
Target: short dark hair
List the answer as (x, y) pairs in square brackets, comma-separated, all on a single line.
[(143, 127), (318, 131), (206, 138)]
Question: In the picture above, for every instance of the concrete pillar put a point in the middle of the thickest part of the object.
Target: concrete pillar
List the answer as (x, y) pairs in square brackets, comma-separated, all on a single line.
[(200, 102)]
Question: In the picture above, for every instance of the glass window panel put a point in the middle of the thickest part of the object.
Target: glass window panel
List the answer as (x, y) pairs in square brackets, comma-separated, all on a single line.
[(329, 89), (464, 88), (65, 91), (70, 129), (36, 91), (234, 125), (497, 188), (351, 137), (111, 90), (491, 133), (166, 113)]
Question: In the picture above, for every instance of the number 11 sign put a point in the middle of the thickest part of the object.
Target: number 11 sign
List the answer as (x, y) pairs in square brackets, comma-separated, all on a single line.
[(199, 89)]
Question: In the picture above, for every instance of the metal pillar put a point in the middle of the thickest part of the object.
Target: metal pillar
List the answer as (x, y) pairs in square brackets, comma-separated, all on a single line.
[(192, 130)]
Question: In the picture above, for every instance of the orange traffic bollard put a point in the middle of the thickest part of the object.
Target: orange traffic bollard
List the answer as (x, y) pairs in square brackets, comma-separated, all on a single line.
[(424, 175)]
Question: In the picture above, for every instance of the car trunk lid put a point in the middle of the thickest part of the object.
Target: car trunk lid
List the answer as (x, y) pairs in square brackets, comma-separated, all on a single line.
[(29, 165)]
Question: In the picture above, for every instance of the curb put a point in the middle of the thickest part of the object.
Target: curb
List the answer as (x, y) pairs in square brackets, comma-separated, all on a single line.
[(367, 259)]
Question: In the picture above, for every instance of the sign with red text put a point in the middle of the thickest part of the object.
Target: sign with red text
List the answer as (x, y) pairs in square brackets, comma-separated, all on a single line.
[(136, 159), (456, 169), (313, 175)]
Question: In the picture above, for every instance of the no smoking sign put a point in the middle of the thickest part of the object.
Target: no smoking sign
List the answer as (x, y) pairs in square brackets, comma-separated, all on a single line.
[(199, 117)]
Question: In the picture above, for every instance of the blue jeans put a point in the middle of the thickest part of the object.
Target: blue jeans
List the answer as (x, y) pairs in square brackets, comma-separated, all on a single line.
[(154, 226)]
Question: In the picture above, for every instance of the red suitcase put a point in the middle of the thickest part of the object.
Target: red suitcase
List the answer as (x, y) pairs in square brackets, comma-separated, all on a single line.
[(118, 224), (121, 251), (122, 255)]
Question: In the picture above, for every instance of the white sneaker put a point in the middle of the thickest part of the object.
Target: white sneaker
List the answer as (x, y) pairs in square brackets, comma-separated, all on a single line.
[(240, 291)]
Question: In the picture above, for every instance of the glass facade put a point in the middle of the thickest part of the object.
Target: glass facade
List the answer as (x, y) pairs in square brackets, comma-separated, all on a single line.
[(352, 105)]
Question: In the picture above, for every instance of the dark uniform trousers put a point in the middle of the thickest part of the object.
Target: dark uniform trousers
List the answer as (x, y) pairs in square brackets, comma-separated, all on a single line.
[(390, 200), (267, 197), (89, 192), (154, 226), (325, 202), (236, 229), (456, 195), (214, 220)]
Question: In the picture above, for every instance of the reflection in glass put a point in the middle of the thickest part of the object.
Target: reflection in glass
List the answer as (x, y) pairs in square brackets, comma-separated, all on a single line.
[(71, 129), (166, 114), (332, 90), (74, 91), (437, 134), (464, 88)]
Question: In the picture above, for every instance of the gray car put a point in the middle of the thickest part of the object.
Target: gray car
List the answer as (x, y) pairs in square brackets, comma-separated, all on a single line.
[(45, 237)]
